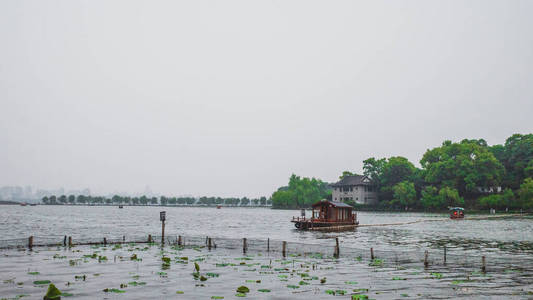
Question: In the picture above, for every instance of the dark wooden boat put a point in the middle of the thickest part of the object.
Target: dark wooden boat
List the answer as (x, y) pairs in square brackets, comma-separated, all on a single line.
[(457, 213), (120, 206), (328, 215)]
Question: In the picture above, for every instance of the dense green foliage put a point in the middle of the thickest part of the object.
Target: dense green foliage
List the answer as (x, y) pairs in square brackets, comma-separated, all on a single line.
[(467, 173), (301, 192), (165, 201)]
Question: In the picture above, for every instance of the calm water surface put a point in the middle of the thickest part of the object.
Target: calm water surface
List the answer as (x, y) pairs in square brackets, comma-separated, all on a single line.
[(508, 234), (508, 241)]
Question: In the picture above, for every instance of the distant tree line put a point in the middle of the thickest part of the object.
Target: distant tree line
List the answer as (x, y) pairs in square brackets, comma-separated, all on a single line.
[(143, 200), (469, 173)]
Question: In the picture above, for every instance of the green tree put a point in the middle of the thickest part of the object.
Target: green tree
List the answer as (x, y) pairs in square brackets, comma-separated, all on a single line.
[(509, 199), (245, 201), (450, 197), (45, 200), (373, 168), (81, 199), (347, 173), (301, 192), (526, 193), (430, 198), (517, 157), (71, 199), (462, 166), (492, 201), (404, 194)]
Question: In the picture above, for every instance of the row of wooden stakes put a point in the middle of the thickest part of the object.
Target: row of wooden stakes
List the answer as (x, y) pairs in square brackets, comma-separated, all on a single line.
[(67, 241)]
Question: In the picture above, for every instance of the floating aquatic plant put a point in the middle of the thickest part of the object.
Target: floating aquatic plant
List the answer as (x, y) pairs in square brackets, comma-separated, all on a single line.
[(117, 291), (243, 289), (292, 286), (41, 282), (52, 293), (376, 262)]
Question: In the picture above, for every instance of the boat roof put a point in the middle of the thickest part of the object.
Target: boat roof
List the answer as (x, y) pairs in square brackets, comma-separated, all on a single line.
[(456, 208), (352, 181), (333, 203)]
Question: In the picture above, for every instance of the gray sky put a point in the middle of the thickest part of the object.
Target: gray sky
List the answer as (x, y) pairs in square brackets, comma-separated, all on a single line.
[(229, 98)]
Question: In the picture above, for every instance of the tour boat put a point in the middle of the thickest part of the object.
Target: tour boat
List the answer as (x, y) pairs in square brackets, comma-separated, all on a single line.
[(219, 206), (457, 213), (328, 215)]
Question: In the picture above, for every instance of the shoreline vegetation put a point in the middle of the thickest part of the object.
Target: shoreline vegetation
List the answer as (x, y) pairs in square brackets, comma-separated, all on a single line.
[(117, 200), (469, 173)]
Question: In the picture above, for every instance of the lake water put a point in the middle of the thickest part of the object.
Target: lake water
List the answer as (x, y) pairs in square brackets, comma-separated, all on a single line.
[(96, 222), (506, 242)]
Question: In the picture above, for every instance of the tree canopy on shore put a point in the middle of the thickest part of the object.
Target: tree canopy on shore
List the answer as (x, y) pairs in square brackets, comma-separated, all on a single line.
[(301, 192), (467, 173)]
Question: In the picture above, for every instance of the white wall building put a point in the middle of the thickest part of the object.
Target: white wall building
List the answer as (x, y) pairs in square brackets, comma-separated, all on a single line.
[(355, 188)]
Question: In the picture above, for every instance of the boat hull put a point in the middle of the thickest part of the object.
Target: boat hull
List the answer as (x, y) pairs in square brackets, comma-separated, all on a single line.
[(309, 225)]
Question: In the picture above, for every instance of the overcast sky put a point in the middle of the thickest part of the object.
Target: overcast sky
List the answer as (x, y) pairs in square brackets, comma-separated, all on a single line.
[(229, 98)]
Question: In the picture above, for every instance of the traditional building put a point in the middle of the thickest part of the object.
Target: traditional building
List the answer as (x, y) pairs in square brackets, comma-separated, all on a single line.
[(356, 189)]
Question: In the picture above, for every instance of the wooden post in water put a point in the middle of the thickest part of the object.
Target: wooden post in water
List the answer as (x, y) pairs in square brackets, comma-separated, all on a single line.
[(284, 249), (244, 246), (162, 218), (268, 244), (65, 241), (30, 242), (209, 243), (371, 253), (105, 241), (150, 238), (337, 250), (426, 263), (70, 241), (444, 254), (163, 234), (483, 265), (123, 239), (179, 240)]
